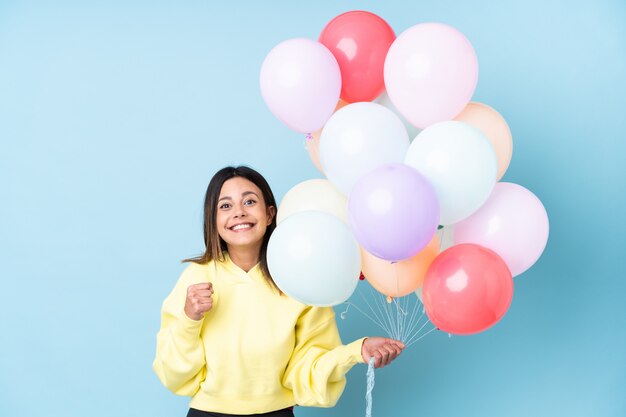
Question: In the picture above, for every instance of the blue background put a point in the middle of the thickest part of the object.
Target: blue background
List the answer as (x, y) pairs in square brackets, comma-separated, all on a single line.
[(114, 115)]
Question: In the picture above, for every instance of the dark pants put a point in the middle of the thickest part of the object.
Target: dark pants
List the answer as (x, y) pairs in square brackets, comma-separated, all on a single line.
[(287, 412)]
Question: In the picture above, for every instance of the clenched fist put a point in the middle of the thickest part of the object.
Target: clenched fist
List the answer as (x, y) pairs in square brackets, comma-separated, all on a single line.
[(382, 349), (198, 300)]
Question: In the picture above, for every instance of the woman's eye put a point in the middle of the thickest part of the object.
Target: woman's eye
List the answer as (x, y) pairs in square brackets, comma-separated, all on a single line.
[(249, 202), (225, 206)]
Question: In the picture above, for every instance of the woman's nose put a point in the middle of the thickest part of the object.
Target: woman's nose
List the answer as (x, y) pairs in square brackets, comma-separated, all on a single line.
[(240, 211)]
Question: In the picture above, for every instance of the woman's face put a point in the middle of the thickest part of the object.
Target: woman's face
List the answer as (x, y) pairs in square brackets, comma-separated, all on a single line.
[(242, 216)]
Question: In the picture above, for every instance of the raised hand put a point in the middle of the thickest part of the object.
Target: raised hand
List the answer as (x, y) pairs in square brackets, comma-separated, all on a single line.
[(198, 300)]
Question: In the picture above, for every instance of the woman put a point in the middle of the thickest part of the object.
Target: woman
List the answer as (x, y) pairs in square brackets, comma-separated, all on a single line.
[(230, 338)]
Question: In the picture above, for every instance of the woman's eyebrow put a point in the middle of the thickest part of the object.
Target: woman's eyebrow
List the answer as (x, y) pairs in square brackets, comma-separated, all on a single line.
[(245, 193)]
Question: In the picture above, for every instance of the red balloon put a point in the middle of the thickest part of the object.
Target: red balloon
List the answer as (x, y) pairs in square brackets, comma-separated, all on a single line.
[(359, 41), (467, 289)]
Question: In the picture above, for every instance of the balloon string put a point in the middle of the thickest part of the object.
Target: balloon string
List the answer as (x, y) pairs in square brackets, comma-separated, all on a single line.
[(414, 333), (379, 307), (343, 316), (422, 336), (380, 316), (370, 387), (398, 309), (412, 321), (343, 313), (443, 230), (408, 323)]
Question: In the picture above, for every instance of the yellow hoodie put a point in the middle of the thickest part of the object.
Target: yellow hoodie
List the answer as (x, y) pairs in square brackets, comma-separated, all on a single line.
[(255, 351)]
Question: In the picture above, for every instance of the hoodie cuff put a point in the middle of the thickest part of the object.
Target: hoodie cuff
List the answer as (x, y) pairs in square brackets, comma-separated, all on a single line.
[(354, 350), (188, 326)]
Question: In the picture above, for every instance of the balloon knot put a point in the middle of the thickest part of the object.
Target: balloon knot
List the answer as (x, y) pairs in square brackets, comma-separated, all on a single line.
[(361, 276), (308, 136)]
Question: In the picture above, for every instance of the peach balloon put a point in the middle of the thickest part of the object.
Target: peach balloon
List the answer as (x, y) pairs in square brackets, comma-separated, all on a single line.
[(399, 278), (312, 145), (313, 142), (493, 125)]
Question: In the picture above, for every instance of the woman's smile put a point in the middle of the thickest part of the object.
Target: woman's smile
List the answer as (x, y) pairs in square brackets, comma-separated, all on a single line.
[(241, 227)]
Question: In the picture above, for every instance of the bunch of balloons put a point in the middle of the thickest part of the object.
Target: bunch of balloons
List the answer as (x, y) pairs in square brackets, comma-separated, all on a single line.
[(389, 122)]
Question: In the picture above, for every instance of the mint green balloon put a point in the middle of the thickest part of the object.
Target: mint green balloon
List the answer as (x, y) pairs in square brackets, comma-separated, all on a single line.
[(313, 258)]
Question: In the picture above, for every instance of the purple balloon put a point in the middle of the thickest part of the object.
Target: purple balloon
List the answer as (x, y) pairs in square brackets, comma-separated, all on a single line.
[(393, 212)]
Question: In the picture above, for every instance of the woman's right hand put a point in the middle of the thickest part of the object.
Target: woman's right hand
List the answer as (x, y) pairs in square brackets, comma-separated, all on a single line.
[(198, 300), (382, 349)]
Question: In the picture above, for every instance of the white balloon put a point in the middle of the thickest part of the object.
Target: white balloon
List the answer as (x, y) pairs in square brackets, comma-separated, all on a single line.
[(358, 138), (313, 257), (460, 163), (315, 194)]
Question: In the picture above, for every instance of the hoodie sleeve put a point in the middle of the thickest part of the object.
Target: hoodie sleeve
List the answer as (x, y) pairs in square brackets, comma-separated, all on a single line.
[(180, 362), (317, 368)]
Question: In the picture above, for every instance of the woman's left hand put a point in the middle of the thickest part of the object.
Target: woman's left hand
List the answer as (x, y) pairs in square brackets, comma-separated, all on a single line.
[(382, 349)]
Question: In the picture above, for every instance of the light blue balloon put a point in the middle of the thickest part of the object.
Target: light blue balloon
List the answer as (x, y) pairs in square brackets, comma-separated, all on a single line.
[(313, 258)]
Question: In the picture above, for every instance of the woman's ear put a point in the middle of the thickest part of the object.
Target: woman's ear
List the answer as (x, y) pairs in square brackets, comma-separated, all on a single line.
[(271, 212)]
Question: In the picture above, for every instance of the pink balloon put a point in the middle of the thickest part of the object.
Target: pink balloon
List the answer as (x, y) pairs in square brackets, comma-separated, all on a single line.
[(512, 222), (467, 289), (431, 71), (300, 83)]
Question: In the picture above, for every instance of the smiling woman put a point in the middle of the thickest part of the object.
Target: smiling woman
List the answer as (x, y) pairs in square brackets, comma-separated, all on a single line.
[(237, 196), (230, 338)]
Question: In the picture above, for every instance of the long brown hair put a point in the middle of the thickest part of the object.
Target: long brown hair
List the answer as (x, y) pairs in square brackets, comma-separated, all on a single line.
[(214, 244)]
